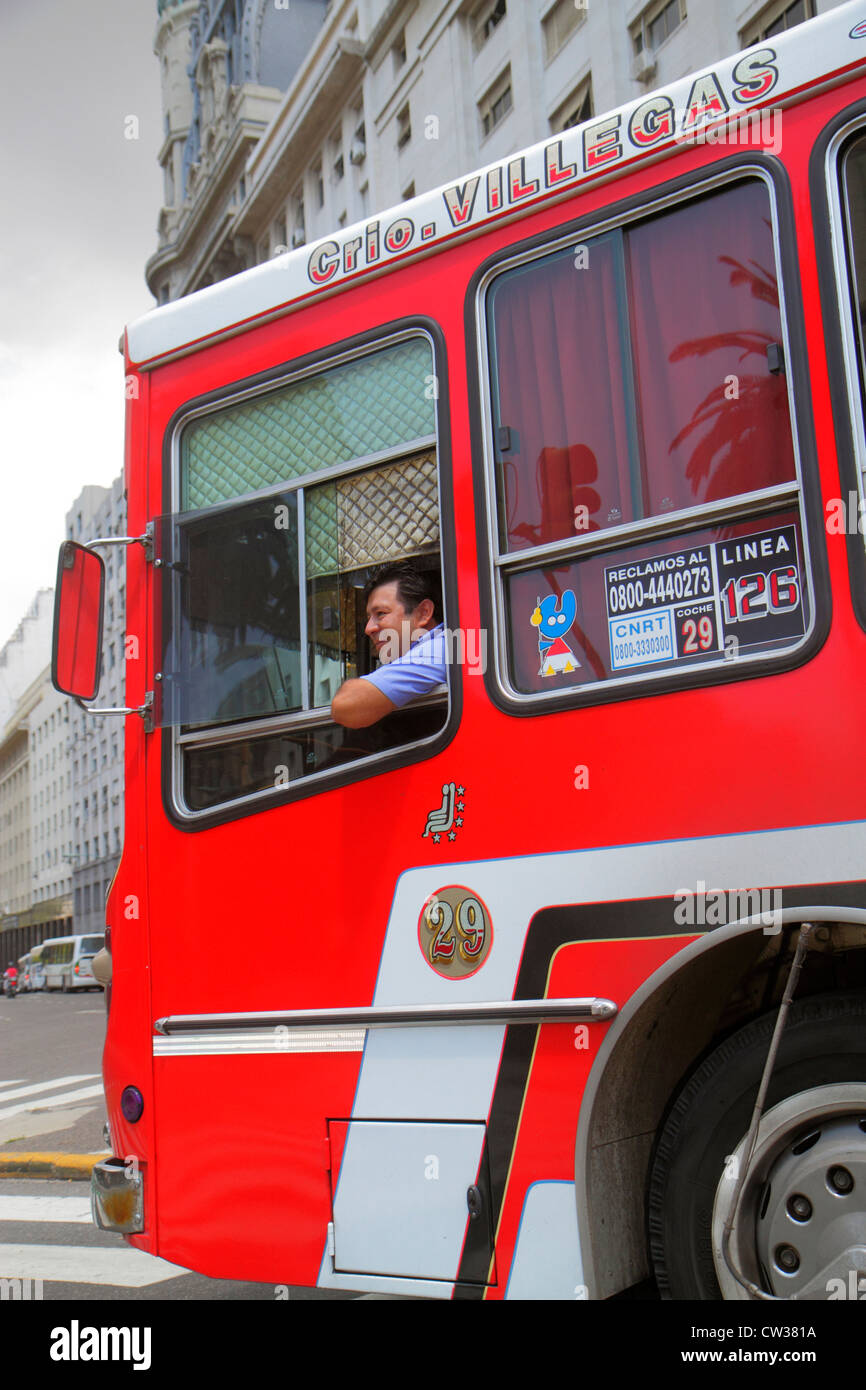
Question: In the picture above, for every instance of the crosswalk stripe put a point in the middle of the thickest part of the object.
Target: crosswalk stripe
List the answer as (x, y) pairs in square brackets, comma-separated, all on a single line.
[(52, 1103), (70, 1264), (48, 1085), (27, 1208), (16, 1082)]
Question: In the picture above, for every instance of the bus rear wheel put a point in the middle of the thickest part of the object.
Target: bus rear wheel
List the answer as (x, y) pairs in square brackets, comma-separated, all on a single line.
[(809, 1166)]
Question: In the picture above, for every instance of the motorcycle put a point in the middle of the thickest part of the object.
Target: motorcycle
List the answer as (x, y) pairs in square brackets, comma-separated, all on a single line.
[(10, 987)]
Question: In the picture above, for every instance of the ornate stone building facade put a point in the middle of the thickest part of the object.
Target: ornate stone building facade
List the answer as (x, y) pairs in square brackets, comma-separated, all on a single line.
[(286, 119), (36, 851), (95, 749), (225, 65)]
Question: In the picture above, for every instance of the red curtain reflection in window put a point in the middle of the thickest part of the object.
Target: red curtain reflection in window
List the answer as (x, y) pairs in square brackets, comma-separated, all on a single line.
[(704, 306), (557, 355)]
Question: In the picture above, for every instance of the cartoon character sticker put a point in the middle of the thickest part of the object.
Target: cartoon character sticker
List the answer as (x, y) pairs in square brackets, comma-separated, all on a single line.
[(553, 617)]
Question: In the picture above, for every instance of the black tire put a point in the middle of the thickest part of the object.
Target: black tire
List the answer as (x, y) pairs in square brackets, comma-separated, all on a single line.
[(824, 1042)]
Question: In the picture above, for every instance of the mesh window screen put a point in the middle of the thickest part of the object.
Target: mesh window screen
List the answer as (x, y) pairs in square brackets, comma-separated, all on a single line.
[(373, 403), (373, 517)]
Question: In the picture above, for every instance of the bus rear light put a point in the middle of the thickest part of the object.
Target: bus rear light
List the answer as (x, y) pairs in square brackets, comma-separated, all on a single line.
[(132, 1104), (117, 1196)]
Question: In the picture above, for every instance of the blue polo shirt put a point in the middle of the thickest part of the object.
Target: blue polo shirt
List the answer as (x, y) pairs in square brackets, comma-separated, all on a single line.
[(417, 673)]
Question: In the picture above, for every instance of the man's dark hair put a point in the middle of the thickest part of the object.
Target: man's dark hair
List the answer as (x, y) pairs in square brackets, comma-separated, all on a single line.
[(413, 585)]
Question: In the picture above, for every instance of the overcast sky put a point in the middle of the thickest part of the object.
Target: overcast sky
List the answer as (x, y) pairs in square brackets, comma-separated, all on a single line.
[(78, 221)]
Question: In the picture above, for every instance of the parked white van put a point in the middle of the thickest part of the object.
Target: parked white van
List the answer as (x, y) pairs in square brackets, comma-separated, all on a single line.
[(66, 961), (37, 970)]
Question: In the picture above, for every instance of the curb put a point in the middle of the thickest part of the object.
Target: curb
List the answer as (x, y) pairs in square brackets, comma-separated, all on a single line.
[(49, 1165)]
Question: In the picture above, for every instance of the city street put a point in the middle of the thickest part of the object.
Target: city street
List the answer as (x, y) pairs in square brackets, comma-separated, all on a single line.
[(50, 1072), (46, 1234), (51, 1101)]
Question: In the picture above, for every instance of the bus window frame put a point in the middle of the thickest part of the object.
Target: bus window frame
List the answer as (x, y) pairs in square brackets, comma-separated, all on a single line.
[(370, 765), (847, 377), (803, 494)]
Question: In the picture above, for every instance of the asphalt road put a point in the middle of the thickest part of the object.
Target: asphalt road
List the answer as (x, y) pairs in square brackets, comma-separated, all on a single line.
[(49, 1244), (51, 1058), (51, 1100)]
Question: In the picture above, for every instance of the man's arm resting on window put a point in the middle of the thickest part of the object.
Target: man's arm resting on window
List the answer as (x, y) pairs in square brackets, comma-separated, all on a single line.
[(359, 703)]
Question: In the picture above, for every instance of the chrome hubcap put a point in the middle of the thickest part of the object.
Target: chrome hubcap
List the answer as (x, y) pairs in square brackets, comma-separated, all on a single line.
[(813, 1207), (801, 1225)]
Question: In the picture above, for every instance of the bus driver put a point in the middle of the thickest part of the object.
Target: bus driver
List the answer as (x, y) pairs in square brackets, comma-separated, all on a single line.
[(404, 623)]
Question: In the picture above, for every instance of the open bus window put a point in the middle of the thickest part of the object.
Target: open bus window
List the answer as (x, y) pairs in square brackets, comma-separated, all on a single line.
[(262, 611), (392, 511), (640, 421)]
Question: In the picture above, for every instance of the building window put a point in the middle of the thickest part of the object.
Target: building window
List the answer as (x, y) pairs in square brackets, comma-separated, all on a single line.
[(575, 110), (281, 236), (404, 127), (298, 214), (656, 24), (338, 163), (485, 19), (358, 151), (398, 50), (559, 24), (775, 19), (496, 104), (319, 185)]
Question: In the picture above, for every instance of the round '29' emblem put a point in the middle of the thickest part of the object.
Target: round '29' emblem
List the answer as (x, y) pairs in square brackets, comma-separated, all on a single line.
[(455, 932)]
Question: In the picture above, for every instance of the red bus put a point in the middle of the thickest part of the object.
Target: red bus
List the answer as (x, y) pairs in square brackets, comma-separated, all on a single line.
[(477, 1001)]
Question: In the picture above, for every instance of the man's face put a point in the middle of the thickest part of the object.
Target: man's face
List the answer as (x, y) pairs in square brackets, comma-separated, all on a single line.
[(389, 626)]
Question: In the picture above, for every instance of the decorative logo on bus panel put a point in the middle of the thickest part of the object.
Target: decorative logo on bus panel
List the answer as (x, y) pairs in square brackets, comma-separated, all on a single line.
[(553, 617), (446, 819), (455, 932)]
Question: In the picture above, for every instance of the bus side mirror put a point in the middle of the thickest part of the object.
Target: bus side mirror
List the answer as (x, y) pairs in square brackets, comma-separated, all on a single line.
[(76, 656)]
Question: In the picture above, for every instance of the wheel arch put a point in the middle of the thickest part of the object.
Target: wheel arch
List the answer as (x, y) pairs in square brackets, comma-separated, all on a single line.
[(658, 1036)]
